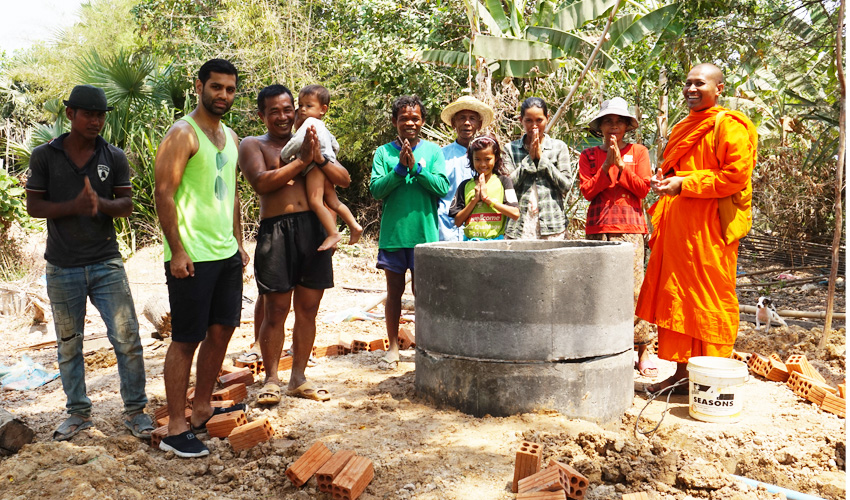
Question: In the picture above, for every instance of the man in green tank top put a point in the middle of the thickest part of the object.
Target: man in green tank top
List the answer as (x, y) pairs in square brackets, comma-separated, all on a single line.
[(197, 205)]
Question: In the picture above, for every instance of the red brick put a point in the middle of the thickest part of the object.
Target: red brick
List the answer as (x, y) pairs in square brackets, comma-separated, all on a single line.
[(406, 339), (256, 367), (803, 385), (543, 495), (834, 404), (250, 434), (240, 376), (221, 426), (577, 482), (353, 479), (756, 364), (157, 435), (327, 472), (323, 351), (548, 479), (303, 469), (742, 356), (235, 392), (285, 363), (344, 341), (160, 412), (636, 496), (224, 403), (359, 346), (799, 363), (841, 390), (225, 370), (528, 459), (379, 345), (794, 379), (164, 420), (190, 396), (776, 370), (816, 394)]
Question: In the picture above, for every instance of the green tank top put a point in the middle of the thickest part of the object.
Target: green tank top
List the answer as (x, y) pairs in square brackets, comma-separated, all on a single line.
[(485, 222), (205, 200)]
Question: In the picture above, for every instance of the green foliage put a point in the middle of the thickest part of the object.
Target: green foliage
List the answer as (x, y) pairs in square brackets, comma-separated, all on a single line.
[(11, 205), (776, 56)]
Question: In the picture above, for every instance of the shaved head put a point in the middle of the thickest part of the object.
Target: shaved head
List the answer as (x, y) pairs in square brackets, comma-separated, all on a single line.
[(711, 71), (703, 86)]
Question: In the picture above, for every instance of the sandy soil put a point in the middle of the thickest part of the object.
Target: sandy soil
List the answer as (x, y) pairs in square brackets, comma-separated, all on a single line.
[(420, 451)]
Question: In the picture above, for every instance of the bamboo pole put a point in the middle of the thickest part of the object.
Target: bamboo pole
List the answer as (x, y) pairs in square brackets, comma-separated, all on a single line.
[(569, 97), (781, 283), (839, 180), (775, 270), (790, 313)]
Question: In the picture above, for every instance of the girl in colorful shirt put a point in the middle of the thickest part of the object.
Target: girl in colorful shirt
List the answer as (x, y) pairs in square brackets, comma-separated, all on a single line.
[(614, 177), (485, 202)]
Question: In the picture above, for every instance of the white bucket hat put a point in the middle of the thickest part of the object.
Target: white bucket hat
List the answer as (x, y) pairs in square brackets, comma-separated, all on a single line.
[(615, 106), (470, 103)]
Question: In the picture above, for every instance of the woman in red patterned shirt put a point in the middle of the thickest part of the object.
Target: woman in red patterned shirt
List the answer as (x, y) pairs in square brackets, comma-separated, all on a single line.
[(615, 179)]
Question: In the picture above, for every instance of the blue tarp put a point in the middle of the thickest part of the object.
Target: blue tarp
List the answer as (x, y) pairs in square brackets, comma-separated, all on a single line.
[(24, 375)]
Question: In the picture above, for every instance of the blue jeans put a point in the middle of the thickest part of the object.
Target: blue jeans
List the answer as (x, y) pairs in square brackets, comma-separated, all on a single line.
[(107, 286)]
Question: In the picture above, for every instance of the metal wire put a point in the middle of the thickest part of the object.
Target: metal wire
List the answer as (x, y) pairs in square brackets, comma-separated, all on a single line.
[(652, 396)]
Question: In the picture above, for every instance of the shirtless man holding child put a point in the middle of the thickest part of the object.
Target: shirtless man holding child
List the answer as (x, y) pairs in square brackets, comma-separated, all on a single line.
[(288, 266)]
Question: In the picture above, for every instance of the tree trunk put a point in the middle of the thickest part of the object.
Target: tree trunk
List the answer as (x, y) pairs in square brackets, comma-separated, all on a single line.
[(839, 181), (661, 120), (158, 311)]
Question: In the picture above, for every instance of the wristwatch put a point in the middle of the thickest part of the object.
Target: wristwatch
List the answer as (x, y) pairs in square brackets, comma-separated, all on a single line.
[(320, 165)]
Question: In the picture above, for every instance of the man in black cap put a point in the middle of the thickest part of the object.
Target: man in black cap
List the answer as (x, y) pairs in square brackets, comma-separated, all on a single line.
[(79, 182)]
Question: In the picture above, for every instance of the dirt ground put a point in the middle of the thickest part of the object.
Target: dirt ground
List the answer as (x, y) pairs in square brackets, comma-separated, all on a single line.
[(420, 451)]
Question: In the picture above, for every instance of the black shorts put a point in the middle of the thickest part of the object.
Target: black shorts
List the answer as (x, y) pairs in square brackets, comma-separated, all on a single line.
[(287, 254), (213, 296)]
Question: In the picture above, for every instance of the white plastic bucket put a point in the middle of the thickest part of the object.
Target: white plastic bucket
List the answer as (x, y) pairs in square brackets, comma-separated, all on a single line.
[(713, 388)]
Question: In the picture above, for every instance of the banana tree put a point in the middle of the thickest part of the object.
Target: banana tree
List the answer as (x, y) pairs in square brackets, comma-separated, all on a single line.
[(555, 35)]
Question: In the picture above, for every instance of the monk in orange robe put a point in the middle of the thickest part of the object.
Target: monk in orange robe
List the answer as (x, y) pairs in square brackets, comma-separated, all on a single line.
[(689, 289)]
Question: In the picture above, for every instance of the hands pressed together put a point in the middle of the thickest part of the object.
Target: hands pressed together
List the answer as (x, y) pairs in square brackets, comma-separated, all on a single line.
[(406, 155), (614, 157), (86, 203), (535, 147), (311, 150), (481, 191)]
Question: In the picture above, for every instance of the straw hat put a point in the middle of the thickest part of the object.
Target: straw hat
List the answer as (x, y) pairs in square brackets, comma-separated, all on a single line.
[(615, 106), (470, 103)]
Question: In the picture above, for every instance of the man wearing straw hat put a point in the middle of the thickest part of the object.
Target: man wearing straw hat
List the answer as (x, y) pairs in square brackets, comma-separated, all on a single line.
[(79, 182), (614, 177), (467, 116)]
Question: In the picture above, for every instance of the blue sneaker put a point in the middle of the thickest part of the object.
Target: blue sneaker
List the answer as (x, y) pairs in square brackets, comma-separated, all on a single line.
[(184, 445)]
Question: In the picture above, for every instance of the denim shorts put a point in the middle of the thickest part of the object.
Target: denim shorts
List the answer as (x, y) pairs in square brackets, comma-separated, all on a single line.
[(397, 261), (213, 296)]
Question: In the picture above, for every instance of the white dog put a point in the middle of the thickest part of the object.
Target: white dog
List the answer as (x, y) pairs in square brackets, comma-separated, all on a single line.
[(766, 313)]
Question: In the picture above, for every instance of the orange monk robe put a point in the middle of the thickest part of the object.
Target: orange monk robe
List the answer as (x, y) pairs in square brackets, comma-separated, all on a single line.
[(689, 287)]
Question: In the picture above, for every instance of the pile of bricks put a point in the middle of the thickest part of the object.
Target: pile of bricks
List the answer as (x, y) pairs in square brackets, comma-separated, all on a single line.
[(800, 376), (406, 340), (343, 474), (234, 425), (556, 481)]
